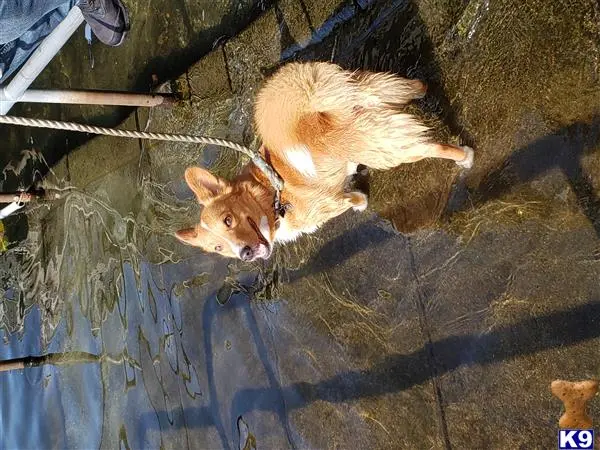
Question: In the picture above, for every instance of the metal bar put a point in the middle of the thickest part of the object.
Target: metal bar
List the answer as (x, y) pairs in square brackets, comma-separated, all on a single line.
[(26, 197), (11, 208), (16, 197), (85, 97), (6, 366), (51, 358), (39, 60)]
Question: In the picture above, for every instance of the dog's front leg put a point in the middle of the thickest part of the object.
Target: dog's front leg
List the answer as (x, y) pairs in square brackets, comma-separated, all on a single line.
[(356, 200)]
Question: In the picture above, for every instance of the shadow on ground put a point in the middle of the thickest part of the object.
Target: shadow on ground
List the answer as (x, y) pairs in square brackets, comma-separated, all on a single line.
[(563, 150), (395, 373)]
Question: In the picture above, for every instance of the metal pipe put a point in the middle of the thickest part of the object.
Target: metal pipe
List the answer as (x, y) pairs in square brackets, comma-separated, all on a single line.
[(26, 197), (18, 197), (84, 97), (8, 210), (39, 60), (51, 358)]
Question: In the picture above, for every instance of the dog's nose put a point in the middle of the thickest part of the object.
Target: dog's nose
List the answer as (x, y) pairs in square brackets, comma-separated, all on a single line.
[(246, 254)]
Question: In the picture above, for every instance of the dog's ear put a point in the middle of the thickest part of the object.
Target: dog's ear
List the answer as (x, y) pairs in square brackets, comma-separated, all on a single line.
[(204, 184), (188, 236)]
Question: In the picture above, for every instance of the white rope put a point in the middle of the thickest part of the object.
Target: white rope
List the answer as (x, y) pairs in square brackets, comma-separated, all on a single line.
[(273, 177)]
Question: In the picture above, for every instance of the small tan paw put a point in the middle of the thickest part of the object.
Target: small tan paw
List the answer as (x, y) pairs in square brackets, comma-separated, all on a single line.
[(420, 88), (358, 200), (467, 162)]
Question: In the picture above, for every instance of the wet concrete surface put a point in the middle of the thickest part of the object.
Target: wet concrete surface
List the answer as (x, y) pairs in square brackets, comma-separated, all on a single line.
[(437, 319)]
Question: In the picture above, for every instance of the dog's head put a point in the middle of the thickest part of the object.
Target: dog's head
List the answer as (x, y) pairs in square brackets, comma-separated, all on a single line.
[(237, 220)]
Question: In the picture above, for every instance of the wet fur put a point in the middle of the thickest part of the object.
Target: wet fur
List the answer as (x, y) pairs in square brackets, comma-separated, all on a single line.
[(316, 120)]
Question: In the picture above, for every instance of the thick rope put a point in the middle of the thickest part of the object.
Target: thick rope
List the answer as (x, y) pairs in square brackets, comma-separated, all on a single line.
[(273, 177)]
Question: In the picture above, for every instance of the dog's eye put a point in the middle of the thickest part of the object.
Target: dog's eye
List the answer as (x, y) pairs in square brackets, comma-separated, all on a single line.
[(228, 221), (218, 248)]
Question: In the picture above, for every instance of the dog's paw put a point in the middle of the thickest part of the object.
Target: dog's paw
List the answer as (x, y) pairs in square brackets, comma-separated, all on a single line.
[(467, 162), (358, 200), (420, 89)]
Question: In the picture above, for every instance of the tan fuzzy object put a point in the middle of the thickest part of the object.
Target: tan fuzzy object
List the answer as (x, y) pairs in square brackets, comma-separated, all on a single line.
[(575, 396)]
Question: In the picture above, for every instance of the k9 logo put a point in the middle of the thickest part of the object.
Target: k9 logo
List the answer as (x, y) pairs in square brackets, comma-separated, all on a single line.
[(575, 439)]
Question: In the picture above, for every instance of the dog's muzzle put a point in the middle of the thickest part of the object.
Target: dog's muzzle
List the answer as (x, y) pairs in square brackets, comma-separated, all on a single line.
[(250, 254), (260, 250)]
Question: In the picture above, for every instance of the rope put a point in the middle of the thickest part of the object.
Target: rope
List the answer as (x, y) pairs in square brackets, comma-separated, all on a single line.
[(273, 177)]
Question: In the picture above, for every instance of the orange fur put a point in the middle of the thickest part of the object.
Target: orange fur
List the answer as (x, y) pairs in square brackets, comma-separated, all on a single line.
[(315, 120)]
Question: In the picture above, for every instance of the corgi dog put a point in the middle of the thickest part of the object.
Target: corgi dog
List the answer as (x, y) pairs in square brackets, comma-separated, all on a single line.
[(317, 122)]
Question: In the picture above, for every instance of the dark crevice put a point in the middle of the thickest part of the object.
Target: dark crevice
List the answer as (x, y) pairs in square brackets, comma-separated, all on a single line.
[(429, 346)]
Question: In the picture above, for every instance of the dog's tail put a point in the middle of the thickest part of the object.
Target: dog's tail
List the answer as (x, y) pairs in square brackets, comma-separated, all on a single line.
[(321, 105), (298, 90), (380, 135), (330, 88), (384, 89)]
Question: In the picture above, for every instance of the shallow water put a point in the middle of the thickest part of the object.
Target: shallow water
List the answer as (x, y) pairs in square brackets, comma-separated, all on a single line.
[(359, 336)]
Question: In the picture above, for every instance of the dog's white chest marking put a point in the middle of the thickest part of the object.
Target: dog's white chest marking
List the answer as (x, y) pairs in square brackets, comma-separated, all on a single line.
[(264, 228), (299, 157), (351, 168), (285, 234)]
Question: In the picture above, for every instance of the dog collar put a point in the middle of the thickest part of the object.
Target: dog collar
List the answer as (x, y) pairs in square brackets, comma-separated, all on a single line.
[(280, 208)]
